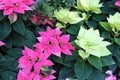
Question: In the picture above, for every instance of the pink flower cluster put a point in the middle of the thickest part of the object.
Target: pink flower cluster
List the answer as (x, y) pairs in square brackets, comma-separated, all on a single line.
[(38, 19), (51, 42), (111, 77), (117, 3), (32, 62), (12, 7)]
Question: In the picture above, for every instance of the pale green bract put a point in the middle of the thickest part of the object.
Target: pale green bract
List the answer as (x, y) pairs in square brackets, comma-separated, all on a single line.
[(60, 25), (114, 21), (83, 54), (91, 42), (66, 16), (89, 6)]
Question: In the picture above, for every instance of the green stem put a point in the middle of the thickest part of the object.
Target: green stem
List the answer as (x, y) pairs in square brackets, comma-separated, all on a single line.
[(65, 30)]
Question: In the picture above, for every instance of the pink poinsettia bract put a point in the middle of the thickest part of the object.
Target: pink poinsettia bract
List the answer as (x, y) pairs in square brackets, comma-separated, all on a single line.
[(1, 43), (117, 3)]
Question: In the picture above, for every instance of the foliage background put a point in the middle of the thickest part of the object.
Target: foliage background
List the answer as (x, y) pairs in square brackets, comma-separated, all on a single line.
[(23, 33)]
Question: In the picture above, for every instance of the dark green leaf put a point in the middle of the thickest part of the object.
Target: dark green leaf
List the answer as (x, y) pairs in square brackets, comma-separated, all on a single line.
[(15, 39), (58, 60), (114, 48), (108, 10), (72, 38), (66, 72), (105, 35), (74, 28), (62, 61), (117, 54), (37, 29), (96, 62), (15, 52), (72, 57), (92, 24), (113, 67), (14, 66), (69, 64), (30, 35), (82, 70), (69, 58), (6, 62), (2, 57), (1, 16), (19, 26), (28, 43), (8, 75), (96, 75), (5, 30), (99, 17), (107, 61)]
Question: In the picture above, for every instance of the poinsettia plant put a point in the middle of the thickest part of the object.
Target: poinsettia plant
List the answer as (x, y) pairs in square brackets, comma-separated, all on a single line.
[(59, 40)]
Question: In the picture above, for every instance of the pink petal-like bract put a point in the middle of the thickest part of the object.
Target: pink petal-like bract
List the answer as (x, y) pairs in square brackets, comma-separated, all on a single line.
[(111, 76), (117, 3), (12, 17), (1, 43), (29, 2), (14, 6)]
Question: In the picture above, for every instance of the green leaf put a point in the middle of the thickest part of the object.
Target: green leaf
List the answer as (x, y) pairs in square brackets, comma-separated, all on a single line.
[(15, 39), (6, 62), (82, 70), (96, 62), (117, 54), (37, 29), (30, 35), (45, 68), (62, 61), (92, 24), (2, 57), (114, 48), (1, 16), (8, 75), (28, 43), (72, 57), (113, 67), (96, 75), (69, 58), (69, 64), (108, 10), (74, 28), (99, 17), (72, 38), (107, 61), (19, 26), (57, 59), (14, 66), (106, 26), (105, 35), (5, 30), (15, 52), (117, 40), (66, 72)]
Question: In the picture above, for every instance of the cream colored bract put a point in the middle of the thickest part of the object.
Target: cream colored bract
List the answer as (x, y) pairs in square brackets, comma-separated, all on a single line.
[(91, 42), (114, 21), (89, 6), (66, 16)]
